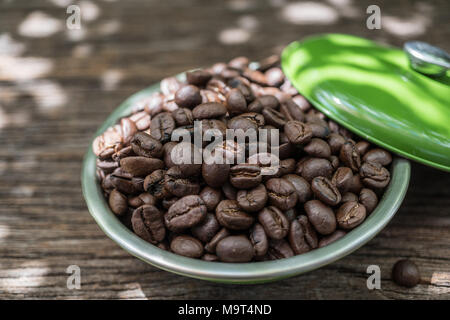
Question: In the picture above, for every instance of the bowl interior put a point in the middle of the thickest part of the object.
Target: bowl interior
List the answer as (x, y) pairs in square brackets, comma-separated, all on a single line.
[(254, 272)]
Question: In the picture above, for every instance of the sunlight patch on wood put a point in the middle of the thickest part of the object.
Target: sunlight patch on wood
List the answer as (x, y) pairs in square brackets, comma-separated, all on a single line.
[(303, 13), (39, 25)]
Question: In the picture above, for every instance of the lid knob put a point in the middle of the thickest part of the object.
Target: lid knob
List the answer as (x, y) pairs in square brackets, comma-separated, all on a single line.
[(427, 59)]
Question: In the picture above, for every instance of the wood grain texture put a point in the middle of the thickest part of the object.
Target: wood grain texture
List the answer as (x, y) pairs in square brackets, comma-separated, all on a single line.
[(50, 110)]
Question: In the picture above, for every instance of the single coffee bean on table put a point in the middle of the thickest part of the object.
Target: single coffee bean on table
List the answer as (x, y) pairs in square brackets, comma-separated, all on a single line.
[(321, 182)]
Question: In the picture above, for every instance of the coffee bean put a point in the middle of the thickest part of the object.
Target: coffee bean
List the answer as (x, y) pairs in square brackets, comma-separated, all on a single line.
[(180, 184), (350, 215), (321, 217), (209, 110), (369, 199), (231, 216), (140, 200), (349, 196), (198, 77), (183, 116), (279, 249), (379, 156), (315, 167), (299, 239), (374, 175), (281, 193), (167, 153), (206, 229), (187, 246), (259, 240), (245, 176), (211, 197), (246, 121), (127, 185), (362, 147), (140, 166), (252, 200), (147, 222), (145, 145), (301, 186), (297, 132), (318, 148), (325, 241), (319, 130), (287, 166), (334, 160), (215, 175), (236, 102), (235, 249), (406, 273), (336, 141), (210, 257), (211, 245), (274, 222), (154, 184), (185, 213), (325, 191), (355, 184), (117, 202), (342, 178), (229, 191), (273, 117), (168, 202), (188, 96), (162, 126), (349, 155)]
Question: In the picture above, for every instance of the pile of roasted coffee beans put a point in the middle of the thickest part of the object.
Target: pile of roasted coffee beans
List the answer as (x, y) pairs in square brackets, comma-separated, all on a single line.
[(327, 182)]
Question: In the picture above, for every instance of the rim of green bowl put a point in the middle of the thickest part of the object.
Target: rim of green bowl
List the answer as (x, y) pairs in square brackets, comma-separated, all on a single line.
[(239, 273)]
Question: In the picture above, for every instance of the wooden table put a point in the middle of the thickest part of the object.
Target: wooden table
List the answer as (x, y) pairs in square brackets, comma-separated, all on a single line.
[(58, 85)]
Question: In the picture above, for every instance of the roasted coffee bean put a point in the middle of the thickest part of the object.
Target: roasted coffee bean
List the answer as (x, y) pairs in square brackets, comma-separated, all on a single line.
[(331, 238), (405, 273), (369, 199), (281, 193), (168, 202), (318, 148), (211, 197), (350, 215), (274, 222), (236, 102), (349, 196), (287, 166), (231, 216), (209, 110), (206, 229), (198, 77), (186, 156), (211, 245), (325, 191), (356, 184), (321, 217), (235, 249), (319, 130), (187, 246), (245, 176), (239, 63), (127, 185), (315, 167), (374, 175), (301, 186), (140, 200), (145, 145), (297, 132), (292, 111), (229, 191), (140, 166), (246, 121), (302, 237), (291, 214), (259, 240), (252, 200), (180, 184), (349, 155), (118, 202), (342, 178), (107, 166), (188, 96), (264, 101), (279, 249), (334, 160), (147, 222), (379, 156), (183, 116), (215, 175), (162, 126), (273, 117), (336, 141), (154, 184), (185, 213), (362, 147), (167, 153)]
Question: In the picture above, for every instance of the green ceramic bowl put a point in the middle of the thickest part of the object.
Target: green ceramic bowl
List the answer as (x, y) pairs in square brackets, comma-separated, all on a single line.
[(242, 273)]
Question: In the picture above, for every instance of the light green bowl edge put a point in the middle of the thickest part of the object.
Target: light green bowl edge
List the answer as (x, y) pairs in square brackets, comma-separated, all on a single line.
[(243, 273)]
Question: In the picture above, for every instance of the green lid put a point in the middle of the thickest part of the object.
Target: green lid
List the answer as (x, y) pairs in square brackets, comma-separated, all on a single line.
[(371, 90)]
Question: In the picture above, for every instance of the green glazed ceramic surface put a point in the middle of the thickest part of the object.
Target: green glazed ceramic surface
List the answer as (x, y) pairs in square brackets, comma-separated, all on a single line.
[(372, 90), (226, 272)]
